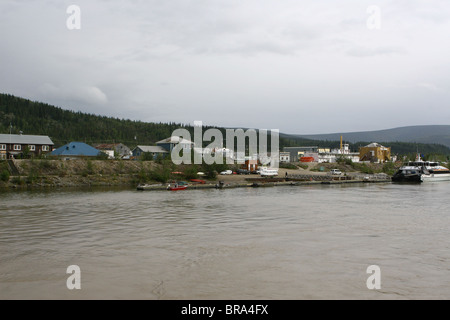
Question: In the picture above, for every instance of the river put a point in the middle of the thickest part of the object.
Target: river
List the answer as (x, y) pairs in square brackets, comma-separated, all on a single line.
[(302, 242)]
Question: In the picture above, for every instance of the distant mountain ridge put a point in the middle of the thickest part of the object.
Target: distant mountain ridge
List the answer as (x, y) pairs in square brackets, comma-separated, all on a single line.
[(433, 134)]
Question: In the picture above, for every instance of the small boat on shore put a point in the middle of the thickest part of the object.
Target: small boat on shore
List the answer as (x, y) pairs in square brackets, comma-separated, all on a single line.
[(198, 181), (421, 171), (149, 186)]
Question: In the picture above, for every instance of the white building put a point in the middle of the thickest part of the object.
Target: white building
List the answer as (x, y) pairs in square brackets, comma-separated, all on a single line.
[(335, 154), (226, 153), (285, 157)]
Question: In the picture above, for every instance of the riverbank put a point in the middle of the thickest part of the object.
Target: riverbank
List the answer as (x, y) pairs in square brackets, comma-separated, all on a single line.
[(42, 173), (39, 173)]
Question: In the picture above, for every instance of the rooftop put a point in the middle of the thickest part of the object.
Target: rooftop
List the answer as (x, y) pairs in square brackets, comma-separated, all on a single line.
[(25, 139), (153, 149), (375, 145), (174, 140), (76, 149)]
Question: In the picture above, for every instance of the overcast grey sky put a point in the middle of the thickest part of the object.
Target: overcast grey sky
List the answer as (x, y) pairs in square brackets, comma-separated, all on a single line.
[(298, 66)]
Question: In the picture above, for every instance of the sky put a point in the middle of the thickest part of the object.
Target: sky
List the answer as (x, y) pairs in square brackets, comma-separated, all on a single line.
[(303, 67)]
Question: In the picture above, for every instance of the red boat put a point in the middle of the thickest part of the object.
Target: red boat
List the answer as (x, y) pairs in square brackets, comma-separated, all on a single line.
[(176, 187), (198, 181)]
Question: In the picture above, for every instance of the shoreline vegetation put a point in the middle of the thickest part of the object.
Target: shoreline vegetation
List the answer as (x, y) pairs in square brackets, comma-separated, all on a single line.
[(45, 173)]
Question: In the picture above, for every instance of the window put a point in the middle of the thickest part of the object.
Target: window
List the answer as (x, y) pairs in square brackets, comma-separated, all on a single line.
[(2, 146), (17, 147), (32, 147), (45, 148)]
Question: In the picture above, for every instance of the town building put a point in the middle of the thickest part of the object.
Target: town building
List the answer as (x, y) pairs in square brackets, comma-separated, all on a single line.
[(285, 157), (171, 142), (332, 156), (309, 157), (375, 152), (250, 165), (19, 145), (154, 151), (224, 152), (75, 150), (297, 152), (114, 149)]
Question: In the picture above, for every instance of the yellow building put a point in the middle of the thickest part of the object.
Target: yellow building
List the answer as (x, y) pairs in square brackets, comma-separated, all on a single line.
[(374, 152)]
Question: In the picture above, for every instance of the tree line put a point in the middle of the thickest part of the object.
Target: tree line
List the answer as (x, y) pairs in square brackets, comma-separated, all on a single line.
[(64, 126)]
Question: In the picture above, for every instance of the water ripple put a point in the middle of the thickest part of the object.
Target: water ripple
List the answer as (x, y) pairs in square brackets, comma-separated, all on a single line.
[(314, 242)]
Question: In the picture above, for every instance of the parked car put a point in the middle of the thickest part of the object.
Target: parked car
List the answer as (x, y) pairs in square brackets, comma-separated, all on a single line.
[(336, 172), (243, 171), (226, 172)]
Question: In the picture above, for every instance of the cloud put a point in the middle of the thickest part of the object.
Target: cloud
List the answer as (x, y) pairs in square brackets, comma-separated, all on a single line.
[(429, 86), (364, 52), (224, 27), (90, 95), (227, 61)]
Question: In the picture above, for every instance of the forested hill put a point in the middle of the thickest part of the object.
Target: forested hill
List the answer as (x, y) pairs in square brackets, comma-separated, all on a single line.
[(439, 134), (64, 126)]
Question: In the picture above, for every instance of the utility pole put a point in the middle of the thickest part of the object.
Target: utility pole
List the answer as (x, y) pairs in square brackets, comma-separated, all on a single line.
[(10, 139)]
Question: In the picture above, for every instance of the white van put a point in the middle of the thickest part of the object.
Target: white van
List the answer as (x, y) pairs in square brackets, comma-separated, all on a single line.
[(336, 172)]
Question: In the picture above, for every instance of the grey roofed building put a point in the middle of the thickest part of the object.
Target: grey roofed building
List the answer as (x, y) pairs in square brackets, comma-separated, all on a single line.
[(296, 151), (121, 149), (18, 145), (154, 150), (175, 140), (171, 142), (25, 139)]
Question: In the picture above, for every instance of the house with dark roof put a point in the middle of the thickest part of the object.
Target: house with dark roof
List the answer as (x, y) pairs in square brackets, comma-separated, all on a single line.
[(112, 149), (17, 145), (155, 151), (76, 150)]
